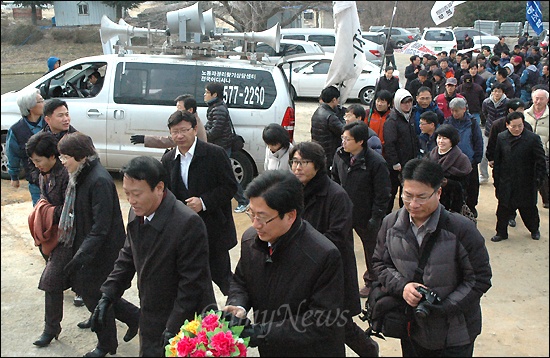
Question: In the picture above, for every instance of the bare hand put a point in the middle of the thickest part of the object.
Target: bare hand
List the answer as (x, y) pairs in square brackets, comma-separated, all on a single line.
[(235, 311), (194, 204), (491, 163), (411, 295), (15, 183)]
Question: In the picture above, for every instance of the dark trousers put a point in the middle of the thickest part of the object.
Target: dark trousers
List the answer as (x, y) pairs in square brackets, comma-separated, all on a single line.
[(472, 189), (395, 179), (359, 342), (390, 60), (529, 214), (123, 310), (220, 268), (150, 336), (412, 349), (369, 243), (53, 312)]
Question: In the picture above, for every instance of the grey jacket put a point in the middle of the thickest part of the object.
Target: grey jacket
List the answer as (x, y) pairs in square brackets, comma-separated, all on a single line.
[(457, 269)]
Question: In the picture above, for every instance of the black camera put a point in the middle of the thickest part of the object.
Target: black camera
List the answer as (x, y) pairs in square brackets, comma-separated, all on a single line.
[(428, 297)]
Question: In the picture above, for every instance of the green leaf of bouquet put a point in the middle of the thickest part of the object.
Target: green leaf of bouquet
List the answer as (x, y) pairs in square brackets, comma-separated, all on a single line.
[(237, 330)]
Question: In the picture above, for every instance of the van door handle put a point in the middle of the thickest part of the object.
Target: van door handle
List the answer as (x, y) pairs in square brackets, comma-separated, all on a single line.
[(118, 114), (93, 113)]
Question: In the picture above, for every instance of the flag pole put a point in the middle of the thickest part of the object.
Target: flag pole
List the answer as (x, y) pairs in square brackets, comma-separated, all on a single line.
[(372, 104)]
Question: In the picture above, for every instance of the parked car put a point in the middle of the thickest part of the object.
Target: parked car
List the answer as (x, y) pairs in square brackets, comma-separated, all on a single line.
[(400, 35), (287, 47), (438, 39), (138, 97), (327, 39), (480, 38), (309, 74)]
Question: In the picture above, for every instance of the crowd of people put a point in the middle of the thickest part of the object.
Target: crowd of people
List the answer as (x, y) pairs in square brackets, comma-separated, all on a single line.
[(431, 143)]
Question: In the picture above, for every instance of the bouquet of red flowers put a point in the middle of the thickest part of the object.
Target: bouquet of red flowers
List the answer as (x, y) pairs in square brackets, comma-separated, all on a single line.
[(208, 335)]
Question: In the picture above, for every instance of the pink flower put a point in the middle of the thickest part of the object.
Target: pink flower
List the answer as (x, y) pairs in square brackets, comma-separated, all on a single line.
[(223, 343), (210, 322), (198, 353), (185, 346), (201, 338), (242, 349)]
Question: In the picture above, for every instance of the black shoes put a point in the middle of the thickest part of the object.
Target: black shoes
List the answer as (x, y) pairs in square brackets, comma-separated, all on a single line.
[(78, 301), (535, 235), (512, 222), (131, 333), (45, 339), (498, 238), (98, 352), (85, 324)]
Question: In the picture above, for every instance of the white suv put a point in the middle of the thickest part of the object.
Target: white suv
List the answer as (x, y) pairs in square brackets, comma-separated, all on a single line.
[(138, 97), (438, 39)]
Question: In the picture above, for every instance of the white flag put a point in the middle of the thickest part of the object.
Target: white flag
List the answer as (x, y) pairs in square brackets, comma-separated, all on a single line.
[(444, 10), (349, 51)]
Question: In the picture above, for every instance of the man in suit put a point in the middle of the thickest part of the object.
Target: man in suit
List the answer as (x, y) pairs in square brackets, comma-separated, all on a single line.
[(167, 246), (200, 175)]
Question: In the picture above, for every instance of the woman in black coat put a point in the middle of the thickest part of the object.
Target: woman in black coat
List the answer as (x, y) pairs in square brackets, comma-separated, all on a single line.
[(91, 223)]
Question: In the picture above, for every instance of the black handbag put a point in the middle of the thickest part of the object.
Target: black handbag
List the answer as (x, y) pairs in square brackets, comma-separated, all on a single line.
[(237, 141)]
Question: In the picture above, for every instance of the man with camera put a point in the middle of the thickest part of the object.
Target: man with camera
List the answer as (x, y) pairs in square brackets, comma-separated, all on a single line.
[(442, 296)]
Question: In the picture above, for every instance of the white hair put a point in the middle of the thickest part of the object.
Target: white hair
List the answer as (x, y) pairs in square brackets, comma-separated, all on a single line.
[(26, 100)]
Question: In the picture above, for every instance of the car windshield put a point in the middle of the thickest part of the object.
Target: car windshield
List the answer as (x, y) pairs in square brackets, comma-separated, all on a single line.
[(438, 35)]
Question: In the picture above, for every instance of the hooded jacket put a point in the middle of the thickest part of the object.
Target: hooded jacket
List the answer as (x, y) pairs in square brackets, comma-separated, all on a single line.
[(51, 62), (400, 139)]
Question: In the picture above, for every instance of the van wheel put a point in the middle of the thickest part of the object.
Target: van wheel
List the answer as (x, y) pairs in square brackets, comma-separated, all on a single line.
[(243, 168), (5, 174), (366, 95)]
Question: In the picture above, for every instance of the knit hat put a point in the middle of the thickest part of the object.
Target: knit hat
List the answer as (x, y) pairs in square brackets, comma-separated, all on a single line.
[(517, 59)]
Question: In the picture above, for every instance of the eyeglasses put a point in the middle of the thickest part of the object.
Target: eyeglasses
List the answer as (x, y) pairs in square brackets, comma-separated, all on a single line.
[(517, 126), (347, 139), (260, 221), (40, 101), (63, 158), (419, 199), (180, 132), (296, 162), (423, 123)]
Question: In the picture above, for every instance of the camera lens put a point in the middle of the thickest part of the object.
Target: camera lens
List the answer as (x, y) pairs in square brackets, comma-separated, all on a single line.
[(421, 311)]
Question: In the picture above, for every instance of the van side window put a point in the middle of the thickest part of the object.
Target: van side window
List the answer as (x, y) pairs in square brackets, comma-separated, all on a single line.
[(294, 37), (323, 40)]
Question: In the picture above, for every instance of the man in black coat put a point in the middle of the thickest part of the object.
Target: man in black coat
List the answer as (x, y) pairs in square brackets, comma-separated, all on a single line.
[(400, 140), (202, 178), (290, 274), (328, 208), (326, 126), (519, 170), (365, 176), (167, 246)]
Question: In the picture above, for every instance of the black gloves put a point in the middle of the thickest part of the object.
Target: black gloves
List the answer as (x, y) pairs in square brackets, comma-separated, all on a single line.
[(166, 336), (137, 139), (75, 264), (100, 313), (374, 225), (256, 332)]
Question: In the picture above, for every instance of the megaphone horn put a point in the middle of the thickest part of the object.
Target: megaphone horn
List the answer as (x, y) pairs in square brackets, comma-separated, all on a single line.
[(271, 36), (185, 20), (110, 29), (209, 21)]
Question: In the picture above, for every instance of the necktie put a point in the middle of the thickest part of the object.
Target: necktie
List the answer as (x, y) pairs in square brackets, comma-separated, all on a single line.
[(352, 161), (270, 250)]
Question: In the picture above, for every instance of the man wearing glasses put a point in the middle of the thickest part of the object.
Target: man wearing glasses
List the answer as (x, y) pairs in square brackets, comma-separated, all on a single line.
[(365, 176), (290, 274), (202, 178), (457, 269)]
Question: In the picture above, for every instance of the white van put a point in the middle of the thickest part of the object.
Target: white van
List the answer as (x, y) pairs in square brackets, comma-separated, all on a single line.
[(439, 39), (327, 39), (138, 97)]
